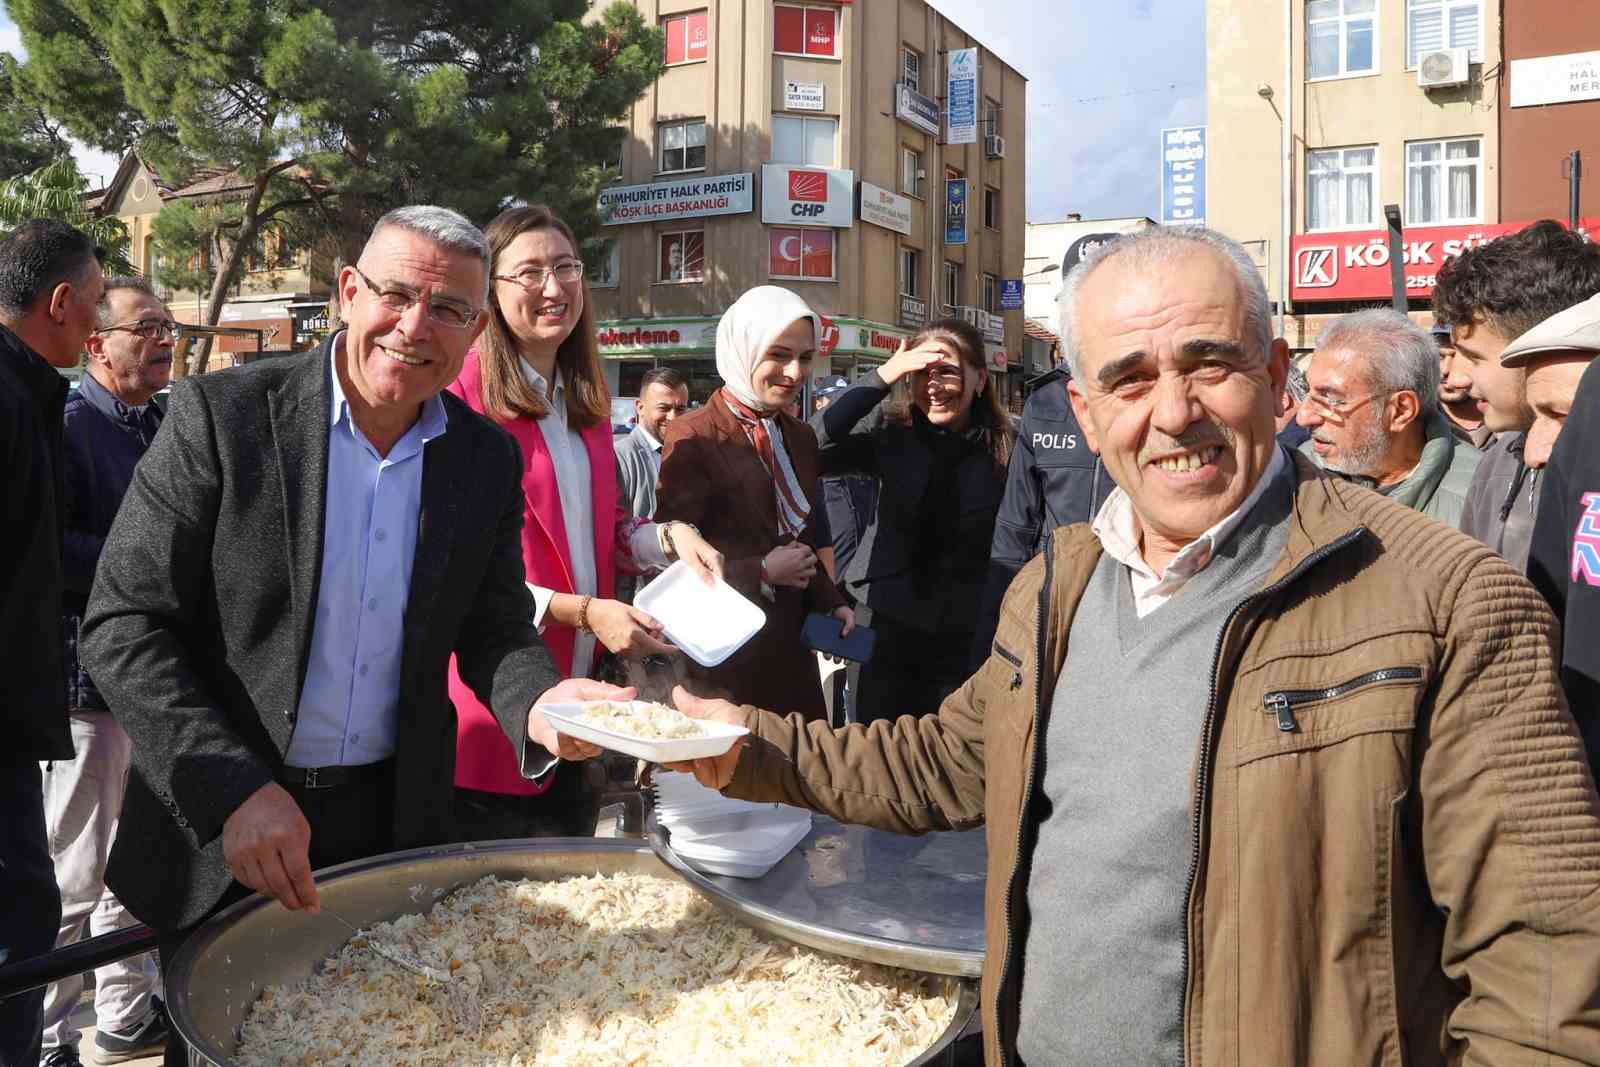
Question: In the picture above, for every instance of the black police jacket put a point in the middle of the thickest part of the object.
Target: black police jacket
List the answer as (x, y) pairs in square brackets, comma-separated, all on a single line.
[(1054, 480)]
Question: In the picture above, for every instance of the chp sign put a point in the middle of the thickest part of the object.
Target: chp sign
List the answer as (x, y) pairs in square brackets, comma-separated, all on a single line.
[(807, 196)]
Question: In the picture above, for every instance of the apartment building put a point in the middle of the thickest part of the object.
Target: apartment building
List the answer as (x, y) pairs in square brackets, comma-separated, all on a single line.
[(812, 145), (1387, 102)]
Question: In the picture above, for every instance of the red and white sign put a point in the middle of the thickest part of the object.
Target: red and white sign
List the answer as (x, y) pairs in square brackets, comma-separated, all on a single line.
[(1355, 266), (688, 38), (797, 253), (810, 186), (805, 31), (809, 196), (830, 337)]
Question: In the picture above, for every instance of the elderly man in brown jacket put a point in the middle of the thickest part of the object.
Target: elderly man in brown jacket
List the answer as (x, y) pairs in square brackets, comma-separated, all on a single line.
[(1275, 770)]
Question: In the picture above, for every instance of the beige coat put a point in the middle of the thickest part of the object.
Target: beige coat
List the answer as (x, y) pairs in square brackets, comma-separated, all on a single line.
[(1409, 877)]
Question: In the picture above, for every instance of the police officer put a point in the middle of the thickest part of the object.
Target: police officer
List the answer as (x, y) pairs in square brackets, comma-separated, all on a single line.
[(1053, 480)]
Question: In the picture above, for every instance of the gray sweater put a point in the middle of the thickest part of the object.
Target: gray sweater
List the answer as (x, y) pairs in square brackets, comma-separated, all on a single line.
[(1103, 968)]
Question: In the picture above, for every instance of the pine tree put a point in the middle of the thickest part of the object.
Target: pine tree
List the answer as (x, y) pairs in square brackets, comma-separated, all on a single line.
[(333, 112)]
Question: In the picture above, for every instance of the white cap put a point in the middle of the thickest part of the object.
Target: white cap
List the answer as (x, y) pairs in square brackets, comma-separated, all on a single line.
[(1575, 329)]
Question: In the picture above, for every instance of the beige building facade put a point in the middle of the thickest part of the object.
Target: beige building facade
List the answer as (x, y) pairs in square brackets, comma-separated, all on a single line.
[(805, 145), (1389, 102), (281, 298)]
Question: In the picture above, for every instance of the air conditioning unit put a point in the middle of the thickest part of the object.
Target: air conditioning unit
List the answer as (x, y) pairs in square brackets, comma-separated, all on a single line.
[(994, 146), (1441, 69)]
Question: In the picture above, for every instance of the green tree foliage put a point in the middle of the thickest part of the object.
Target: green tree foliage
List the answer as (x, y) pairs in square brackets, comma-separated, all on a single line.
[(28, 138), (55, 191), (332, 112)]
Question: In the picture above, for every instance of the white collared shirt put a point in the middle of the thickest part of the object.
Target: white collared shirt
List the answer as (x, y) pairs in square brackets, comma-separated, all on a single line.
[(570, 458), (1118, 530)]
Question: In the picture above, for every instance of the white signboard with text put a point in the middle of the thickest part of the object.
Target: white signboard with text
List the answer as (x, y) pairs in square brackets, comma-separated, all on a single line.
[(807, 196), (882, 208), (687, 198), (1560, 79), (803, 96)]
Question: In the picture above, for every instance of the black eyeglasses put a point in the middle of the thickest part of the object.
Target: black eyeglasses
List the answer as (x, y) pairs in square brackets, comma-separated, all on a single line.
[(442, 311), (532, 278), (149, 329)]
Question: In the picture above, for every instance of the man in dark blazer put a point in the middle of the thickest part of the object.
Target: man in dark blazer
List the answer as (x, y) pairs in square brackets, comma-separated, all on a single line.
[(302, 550)]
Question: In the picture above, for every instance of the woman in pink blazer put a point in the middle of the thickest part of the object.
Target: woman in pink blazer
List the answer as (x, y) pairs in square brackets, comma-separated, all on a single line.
[(536, 372)]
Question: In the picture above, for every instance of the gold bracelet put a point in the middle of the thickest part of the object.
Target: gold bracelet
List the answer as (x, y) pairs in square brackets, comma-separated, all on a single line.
[(666, 531), (583, 615)]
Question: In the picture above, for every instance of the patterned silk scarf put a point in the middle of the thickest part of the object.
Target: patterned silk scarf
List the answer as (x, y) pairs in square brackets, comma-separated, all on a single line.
[(767, 439)]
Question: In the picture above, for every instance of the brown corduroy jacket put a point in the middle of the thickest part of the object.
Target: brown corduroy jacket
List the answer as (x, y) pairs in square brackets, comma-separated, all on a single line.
[(1396, 856), (712, 477)]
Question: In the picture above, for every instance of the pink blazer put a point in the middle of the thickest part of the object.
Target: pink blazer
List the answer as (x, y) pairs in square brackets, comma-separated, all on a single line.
[(484, 757)]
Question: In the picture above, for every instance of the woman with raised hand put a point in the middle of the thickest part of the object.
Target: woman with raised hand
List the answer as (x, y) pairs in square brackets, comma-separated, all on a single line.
[(744, 471), (536, 372), (919, 572)]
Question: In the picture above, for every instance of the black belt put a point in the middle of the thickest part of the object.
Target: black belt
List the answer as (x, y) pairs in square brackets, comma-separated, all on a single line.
[(333, 777)]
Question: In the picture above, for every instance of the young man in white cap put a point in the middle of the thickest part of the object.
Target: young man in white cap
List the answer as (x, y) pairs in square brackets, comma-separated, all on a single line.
[(1558, 356)]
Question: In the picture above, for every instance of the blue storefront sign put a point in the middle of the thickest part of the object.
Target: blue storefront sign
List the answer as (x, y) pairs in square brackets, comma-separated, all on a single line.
[(1010, 294), (955, 211), (1183, 176)]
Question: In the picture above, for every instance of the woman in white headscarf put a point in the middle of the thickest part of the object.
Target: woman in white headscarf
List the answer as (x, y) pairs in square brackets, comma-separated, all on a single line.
[(744, 472)]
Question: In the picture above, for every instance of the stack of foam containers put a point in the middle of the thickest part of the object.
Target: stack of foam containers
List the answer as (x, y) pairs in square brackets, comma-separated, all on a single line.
[(715, 834)]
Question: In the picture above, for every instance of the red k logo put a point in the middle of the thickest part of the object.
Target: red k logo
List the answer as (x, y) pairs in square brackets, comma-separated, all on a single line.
[(808, 185)]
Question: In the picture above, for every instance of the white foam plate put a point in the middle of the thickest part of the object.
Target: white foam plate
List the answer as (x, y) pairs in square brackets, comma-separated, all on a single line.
[(755, 855), (709, 622), (717, 739)]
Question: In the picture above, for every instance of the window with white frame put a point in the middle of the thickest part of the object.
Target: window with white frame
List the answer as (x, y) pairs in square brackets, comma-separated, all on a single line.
[(804, 142), (1340, 38), (911, 171), (952, 285), (1443, 179), (911, 69), (1342, 188), (991, 293), (681, 256), (910, 271), (1435, 24), (687, 38), (683, 145)]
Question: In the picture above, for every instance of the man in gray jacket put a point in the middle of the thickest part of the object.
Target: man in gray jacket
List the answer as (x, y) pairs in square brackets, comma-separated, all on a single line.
[(1373, 413)]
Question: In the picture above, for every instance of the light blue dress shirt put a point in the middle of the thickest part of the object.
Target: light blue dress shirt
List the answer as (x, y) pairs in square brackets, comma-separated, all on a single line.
[(348, 702)]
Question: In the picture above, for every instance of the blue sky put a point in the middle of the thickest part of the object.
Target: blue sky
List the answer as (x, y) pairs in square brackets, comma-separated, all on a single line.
[(1104, 77)]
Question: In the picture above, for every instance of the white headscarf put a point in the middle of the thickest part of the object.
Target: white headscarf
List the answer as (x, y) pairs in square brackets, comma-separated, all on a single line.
[(747, 329)]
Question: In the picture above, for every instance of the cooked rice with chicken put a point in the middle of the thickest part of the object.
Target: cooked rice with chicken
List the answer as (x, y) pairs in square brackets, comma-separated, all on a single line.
[(624, 969), (642, 719)]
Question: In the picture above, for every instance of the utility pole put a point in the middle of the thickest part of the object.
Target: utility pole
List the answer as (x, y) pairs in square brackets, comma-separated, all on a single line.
[(1574, 186)]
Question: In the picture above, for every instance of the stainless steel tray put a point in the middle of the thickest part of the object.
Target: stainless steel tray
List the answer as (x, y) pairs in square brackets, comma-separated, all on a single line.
[(222, 968), (913, 902)]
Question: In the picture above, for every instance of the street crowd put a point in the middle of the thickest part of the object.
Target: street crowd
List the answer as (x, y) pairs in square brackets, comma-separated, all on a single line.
[(1276, 684)]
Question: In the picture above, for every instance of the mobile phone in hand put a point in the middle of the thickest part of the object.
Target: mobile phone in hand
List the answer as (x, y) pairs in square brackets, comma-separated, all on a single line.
[(821, 633)]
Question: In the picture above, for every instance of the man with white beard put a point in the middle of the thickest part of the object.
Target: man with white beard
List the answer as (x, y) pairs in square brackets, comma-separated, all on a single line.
[(1373, 412)]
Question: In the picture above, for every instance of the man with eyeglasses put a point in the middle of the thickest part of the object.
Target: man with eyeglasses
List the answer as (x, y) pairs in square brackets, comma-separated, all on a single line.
[(305, 546), (108, 425), (1372, 406)]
